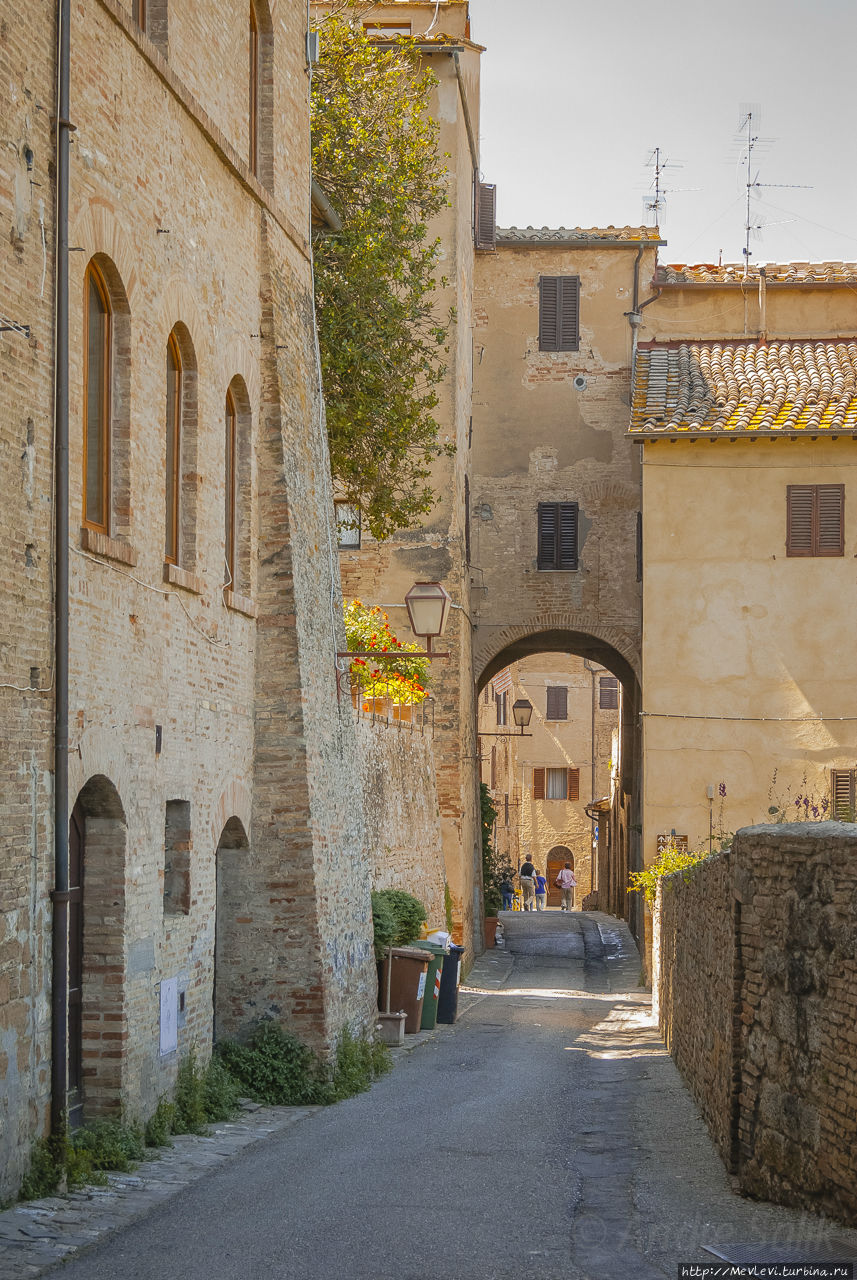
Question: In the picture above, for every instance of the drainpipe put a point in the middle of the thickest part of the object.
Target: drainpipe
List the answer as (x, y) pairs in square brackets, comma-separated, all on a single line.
[(471, 137), (593, 668), (763, 305), (60, 894), (635, 315)]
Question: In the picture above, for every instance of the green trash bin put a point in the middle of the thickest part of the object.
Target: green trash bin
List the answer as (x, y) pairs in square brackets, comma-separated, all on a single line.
[(429, 1017)]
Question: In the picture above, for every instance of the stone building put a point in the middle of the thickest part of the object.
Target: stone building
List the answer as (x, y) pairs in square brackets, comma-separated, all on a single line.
[(543, 781), (218, 869), (555, 486), (382, 572), (745, 410)]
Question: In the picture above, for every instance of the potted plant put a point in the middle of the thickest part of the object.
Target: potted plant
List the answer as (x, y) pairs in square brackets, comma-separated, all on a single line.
[(397, 677)]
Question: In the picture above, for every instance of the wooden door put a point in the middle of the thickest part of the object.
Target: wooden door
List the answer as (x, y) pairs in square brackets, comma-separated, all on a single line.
[(76, 843), (557, 858)]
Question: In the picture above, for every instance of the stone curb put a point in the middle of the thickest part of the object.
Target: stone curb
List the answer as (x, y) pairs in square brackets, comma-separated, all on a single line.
[(37, 1235)]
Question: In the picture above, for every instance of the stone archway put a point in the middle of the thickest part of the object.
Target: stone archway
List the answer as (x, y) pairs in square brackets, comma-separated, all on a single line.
[(557, 857), (98, 1029), (230, 928)]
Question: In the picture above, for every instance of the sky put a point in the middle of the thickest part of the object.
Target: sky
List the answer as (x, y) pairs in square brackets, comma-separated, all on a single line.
[(575, 98)]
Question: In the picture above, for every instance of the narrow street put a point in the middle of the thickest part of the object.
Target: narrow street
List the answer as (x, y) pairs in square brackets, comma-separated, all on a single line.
[(545, 1134)]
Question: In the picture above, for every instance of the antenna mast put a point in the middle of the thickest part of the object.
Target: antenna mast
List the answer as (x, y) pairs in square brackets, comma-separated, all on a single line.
[(753, 184)]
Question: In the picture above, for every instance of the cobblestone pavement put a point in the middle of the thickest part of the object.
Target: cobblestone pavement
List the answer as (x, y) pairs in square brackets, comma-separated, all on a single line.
[(547, 1134)]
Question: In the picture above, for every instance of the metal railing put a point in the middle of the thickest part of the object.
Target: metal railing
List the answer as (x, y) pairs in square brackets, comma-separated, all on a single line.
[(415, 717)]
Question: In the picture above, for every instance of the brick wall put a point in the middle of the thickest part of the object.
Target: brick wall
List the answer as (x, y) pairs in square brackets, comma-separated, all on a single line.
[(757, 985)]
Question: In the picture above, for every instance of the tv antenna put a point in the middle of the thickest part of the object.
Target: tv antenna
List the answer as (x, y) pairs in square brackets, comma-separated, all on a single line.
[(750, 118), (655, 204)]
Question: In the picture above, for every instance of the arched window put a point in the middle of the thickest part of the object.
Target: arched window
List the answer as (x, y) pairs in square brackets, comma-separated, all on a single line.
[(180, 475), (98, 327), (173, 485), (254, 88), (237, 490), (231, 485), (151, 17)]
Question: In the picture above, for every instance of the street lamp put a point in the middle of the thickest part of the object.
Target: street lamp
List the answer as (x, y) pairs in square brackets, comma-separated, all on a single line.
[(428, 608), (522, 710)]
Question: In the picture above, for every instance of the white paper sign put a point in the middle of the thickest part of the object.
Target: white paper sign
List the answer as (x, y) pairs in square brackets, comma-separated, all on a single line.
[(169, 1015), (421, 989)]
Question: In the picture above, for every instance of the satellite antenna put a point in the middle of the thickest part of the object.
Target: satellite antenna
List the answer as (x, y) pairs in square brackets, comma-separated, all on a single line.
[(655, 204), (750, 117)]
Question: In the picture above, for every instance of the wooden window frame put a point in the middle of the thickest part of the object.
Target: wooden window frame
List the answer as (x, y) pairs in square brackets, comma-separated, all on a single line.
[(550, 558), (484, 214), (140, 14), (815, 540), (572, 784), (559, 313), (175, 406), (254, 90), (553, 694), (608, 693), (94, 276), (501, 708), (231, 487)]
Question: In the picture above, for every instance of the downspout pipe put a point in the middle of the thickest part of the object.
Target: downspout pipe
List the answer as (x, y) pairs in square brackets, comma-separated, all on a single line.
[(635, 315), (60, 894), (465, 107)]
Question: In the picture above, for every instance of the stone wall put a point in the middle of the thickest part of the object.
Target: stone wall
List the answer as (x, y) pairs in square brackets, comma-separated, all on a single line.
[(757, 986), (402, 819)]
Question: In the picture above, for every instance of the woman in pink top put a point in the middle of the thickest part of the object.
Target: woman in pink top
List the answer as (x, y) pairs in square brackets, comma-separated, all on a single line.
[(566, 882)]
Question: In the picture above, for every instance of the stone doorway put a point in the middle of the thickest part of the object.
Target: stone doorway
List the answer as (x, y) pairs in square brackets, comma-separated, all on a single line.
[(557, 858)]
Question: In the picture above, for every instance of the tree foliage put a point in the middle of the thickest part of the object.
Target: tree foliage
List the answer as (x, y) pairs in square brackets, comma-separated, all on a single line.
[(383, 346)]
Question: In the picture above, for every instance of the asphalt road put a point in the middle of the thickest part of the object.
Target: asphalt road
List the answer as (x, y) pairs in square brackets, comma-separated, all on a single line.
[(545, 1135)]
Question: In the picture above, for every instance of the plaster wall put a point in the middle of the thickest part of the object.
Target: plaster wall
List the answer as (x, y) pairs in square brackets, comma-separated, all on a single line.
[(747, 670), (538, 437), (733, 311)]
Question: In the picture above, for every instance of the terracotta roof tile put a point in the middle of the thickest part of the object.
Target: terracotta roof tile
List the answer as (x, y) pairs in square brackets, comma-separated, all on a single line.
[(554, 235), (745, 388), (775, 273)]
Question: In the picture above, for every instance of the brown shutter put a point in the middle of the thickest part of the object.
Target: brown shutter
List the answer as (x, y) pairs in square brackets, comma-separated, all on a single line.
[(493, 768), (569, 313), (548, 530), (557, 703), (830, 506), (559, 313), (467, 518), (486, 215), (567, 535), (506, 807), (548, 313), (538, 784), (800, 507), (574, 784), (842, 794), (608, 693)]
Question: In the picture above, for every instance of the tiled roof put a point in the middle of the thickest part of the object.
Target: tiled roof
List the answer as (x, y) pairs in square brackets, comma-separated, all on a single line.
[(558, 235), (775, 273), (745, 388)]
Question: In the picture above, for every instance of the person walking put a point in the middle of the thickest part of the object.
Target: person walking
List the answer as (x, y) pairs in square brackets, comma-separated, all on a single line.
[(566, 882), (527, 877), (508, 891), (541, 891)]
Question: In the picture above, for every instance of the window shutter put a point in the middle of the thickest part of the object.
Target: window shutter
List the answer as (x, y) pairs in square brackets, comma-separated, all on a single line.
[(506, 807), (639, 546), (574, 784), (467, 519), (486, 215), (842, 794), (567, 535), (569, 313), (557, 704), (548, 313), (493, 768), (538, 784), (559, 313), (799, 522), (830, 522), (547, 546), (608, 693)]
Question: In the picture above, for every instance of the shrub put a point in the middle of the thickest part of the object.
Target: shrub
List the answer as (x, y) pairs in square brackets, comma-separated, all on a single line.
[(159, 1126), (110, 1145), (221, 1092), (189, 1098), (47, 1165), (669, 861), (359, 1061), (273, 1066)]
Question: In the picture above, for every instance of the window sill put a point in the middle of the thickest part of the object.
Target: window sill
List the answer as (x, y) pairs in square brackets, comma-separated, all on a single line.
[(100, 544), (240, 604), (179, 577)]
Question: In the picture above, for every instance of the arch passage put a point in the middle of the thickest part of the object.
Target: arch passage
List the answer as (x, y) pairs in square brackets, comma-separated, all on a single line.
[(229, 929), (558, 856)]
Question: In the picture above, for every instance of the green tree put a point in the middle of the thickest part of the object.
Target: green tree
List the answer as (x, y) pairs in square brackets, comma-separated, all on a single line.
[(383, 345)]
